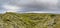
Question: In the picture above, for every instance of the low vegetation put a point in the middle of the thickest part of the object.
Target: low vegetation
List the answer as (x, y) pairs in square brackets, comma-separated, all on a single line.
[(29, 20)]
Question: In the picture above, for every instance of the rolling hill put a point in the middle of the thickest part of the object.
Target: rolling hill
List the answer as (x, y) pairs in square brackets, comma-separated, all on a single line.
[(29, 20)]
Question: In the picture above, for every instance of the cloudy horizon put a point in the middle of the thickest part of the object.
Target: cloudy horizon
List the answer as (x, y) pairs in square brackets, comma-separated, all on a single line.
[(30, 6)]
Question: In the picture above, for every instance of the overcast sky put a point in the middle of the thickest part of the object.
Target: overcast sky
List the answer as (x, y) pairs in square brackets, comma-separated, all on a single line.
[(30, 5)]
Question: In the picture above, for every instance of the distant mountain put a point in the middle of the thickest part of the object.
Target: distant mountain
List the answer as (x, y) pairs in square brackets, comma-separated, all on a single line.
[(29, 20)]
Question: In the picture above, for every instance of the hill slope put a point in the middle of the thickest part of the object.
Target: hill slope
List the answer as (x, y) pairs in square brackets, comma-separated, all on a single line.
[(32, 20)]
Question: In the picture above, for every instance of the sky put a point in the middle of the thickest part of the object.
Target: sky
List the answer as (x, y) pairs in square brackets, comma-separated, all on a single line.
[(36, 6)]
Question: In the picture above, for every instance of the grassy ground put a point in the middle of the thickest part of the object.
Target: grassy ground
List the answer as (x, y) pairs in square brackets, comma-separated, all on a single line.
[(30, 20)]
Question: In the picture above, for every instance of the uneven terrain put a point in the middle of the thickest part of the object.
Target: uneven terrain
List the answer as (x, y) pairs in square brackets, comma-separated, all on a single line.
[(29, 20)]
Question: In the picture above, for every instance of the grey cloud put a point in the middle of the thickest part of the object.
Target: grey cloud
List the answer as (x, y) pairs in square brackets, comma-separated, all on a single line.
[(28, 5)]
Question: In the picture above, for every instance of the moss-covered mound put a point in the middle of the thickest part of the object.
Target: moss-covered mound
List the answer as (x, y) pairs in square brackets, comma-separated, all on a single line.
[(30, 20)]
